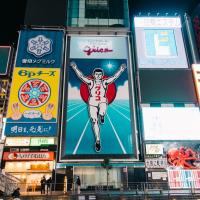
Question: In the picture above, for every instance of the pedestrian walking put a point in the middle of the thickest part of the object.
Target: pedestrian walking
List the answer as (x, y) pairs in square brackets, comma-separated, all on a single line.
[(78, 182), (43, 183), (16, 194), (49, 183)]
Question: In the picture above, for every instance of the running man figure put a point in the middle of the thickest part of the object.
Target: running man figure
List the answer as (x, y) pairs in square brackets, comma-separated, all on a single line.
[(97, 102)]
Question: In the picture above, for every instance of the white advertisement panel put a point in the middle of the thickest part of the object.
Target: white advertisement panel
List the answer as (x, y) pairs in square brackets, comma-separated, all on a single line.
[(171, 123), (17, 141), (154, 149)]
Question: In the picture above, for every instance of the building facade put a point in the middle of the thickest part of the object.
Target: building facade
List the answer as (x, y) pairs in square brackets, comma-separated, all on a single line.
[(105, 96)]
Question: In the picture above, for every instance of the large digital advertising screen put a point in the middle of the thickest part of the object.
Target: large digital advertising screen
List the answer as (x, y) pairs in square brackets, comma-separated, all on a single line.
[(98, 111), (34, 95), (171, 123), (159, 42)]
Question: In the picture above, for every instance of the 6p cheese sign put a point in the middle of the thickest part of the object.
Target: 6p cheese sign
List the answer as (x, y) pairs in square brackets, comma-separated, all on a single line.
[(36, 102)]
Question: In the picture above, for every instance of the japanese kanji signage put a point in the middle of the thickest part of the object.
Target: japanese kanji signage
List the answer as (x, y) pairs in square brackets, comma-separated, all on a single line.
[(40, 49), (33, 103)]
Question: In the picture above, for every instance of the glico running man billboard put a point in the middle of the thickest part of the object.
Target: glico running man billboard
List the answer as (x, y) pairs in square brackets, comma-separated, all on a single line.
[(33, 103), (98, 108)]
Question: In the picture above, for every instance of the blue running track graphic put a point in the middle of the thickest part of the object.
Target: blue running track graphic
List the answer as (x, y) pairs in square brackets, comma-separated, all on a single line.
[(116, 132)]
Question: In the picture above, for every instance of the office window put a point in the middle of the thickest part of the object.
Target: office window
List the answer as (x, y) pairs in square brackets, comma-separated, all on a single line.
[(96, 9)]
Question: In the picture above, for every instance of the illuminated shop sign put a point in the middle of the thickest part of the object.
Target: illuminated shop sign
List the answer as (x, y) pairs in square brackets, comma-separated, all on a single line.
[(159, 22), (97, 47), (15, 156), (17, 141), (153, 163), (154, 149), (196, 76), (41, 141)]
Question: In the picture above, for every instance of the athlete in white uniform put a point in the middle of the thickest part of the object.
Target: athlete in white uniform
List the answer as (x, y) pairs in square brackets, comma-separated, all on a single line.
[(97, 100)]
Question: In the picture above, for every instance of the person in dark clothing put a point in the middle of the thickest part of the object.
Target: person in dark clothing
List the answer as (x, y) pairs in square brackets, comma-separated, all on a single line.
[(16, 193), (49, 182), (43, 183), (78, 182)]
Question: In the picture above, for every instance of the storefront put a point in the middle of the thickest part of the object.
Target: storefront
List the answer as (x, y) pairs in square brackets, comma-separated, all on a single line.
[(29, 167), (97, 177)]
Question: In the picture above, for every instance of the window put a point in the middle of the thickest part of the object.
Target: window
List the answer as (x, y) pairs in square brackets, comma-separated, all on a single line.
[(96, 9)]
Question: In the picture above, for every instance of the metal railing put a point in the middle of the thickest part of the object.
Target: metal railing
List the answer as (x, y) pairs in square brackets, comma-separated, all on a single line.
[(8, 183), (131, 190)]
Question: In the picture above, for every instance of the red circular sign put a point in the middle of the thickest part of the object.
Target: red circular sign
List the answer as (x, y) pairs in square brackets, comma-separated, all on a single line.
[(34, 93)]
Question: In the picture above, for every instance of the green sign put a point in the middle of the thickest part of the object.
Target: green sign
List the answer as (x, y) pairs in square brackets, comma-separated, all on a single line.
[(4, 59), (41, 141)]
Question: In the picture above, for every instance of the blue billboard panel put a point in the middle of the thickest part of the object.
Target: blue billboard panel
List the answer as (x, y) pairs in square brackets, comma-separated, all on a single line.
[(163, 44), (31, 129), (40, 48), (34, 96), (97, 115)]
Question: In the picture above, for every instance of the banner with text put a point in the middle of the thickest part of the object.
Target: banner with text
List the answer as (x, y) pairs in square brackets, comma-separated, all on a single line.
[(34, 96)]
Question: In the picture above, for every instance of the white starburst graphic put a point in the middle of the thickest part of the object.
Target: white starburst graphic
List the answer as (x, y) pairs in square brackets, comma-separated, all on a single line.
[(39, 46)]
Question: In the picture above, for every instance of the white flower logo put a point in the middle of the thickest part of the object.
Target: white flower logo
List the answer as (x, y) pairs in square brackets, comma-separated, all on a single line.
[(39, 46)]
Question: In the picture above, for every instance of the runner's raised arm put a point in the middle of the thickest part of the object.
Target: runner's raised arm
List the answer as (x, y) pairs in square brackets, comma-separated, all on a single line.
[(79, 73)]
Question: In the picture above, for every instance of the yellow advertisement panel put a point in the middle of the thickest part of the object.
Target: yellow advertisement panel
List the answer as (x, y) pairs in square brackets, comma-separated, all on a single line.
[(33, 100)]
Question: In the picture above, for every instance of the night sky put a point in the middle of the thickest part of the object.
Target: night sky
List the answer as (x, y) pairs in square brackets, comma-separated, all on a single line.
[(11, 18), (12, 13)]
